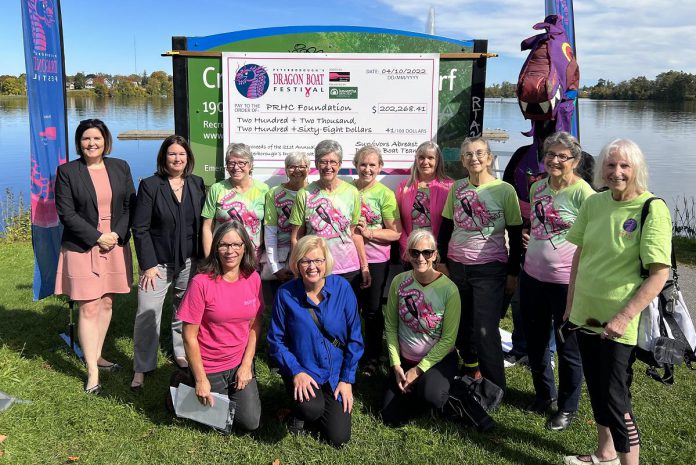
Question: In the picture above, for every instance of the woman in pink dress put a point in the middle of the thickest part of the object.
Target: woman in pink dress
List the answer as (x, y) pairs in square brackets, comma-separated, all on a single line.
[(93, 198)]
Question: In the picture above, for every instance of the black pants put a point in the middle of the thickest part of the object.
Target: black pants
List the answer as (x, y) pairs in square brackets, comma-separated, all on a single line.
[(431, 390), (247, 414), (608, 368), (542, 306), (323, 410), (370, 303), (482, 291)]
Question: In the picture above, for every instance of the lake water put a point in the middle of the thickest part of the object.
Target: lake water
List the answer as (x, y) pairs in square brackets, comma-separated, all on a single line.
[(665, 132)]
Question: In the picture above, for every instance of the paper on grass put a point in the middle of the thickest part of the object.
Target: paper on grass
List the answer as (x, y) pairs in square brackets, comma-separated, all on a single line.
[(506, 340), (186, 405)]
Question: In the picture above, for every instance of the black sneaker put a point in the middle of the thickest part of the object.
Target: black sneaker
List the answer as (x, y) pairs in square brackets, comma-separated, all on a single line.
[(295, 425), (542, 407), (510, 359), (560, 421)]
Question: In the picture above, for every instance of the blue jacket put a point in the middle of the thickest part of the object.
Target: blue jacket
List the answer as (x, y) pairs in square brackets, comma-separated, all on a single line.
[(297, 345)]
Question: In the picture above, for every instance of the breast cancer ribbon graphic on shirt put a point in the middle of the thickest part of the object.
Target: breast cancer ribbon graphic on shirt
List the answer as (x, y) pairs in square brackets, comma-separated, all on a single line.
[(326, 221), (470, 213), (283, 205), (420, 216), (546, 220), (414, 311), (237, 211)]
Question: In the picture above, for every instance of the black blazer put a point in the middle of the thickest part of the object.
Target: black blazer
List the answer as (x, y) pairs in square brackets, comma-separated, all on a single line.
[(155, 218), (76, 202)]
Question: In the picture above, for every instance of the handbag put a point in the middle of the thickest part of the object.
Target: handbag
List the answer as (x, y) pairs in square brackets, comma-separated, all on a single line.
[(666, 335)]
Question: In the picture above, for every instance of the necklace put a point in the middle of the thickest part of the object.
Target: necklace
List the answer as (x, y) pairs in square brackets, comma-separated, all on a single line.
[(177, 189)]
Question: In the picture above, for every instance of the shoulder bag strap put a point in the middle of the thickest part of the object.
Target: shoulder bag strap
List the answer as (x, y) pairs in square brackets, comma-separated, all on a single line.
[(333, 340), (644, 272)]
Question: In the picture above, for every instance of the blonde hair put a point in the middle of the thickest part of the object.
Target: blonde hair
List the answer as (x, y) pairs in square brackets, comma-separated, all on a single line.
[(304, 246), (630, 150), (439, 167), (418, 235), (366, 150)]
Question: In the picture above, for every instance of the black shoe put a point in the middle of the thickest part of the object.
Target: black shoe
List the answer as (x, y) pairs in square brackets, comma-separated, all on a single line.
[(560, 421), (295, 425), (542, 407)]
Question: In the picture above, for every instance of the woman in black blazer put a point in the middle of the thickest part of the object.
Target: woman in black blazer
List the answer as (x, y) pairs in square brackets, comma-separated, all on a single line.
[(166, 229), (93, 199)]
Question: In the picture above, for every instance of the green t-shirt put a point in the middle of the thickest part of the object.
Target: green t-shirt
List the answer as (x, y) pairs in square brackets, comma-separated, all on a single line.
[(223, 203), (421, 322), (330, 215), (378, 203), (608, 273), (480, 215), (279, 202)]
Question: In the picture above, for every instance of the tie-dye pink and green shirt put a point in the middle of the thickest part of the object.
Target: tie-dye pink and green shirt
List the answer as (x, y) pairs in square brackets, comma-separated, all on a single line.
[(421, 322), (549, 256), (378, 203), (329, 215), (480, 214), (223, 203)]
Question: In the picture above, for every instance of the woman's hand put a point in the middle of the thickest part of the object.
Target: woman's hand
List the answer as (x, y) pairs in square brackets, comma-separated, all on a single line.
[(616, 327), (107, 241), (400, 377), (243, 376), (366, 278), (346, 392), (303, 386), (203, 392), (361, 227), (525, 238), (283, 274), (148, 278), (410, 377)]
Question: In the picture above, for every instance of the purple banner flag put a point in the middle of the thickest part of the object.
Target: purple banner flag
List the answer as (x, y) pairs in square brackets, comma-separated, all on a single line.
[(43, 55), (564, 10)]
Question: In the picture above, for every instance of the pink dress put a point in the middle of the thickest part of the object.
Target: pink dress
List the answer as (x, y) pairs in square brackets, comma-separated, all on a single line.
[(91, 274)]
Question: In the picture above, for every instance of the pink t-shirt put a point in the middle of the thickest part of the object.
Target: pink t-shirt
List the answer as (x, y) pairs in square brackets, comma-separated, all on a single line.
[(224, 312)]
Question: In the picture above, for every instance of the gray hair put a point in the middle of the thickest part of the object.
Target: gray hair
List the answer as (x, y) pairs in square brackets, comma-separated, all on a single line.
[(366, 150), (439, 167), (239, 150), (326, 147), (567, 141), (296, 158), (474, 139), (635, 157)]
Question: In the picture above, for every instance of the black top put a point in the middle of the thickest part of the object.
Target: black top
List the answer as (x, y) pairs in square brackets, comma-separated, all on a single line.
[(76, 203), (164, 229)]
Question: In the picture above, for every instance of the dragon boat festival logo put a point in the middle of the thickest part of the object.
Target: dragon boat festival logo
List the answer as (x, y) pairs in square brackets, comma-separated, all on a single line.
[(251, 81)]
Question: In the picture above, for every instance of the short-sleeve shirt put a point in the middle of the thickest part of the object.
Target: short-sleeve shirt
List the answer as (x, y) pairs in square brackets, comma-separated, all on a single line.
[(612, 241), (224, 204), (330, 215), (279, 202), (224, 311), (421, 322), (378, 203), (420, 213), (549, 255), (480, 214)]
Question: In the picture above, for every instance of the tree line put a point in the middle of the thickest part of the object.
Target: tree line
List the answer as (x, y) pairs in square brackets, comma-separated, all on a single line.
[(668, 86), (157, 83)]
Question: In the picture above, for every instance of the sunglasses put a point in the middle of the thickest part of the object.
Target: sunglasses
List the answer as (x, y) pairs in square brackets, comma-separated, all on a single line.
[(415, 253)]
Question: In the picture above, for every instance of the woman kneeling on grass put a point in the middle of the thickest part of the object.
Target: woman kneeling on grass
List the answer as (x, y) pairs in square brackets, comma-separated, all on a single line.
[(421, 322), (316, 342), (221, 315), (606, 293)]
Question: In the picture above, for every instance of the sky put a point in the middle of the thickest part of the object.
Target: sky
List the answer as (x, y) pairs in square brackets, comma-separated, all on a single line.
[(616, 40)]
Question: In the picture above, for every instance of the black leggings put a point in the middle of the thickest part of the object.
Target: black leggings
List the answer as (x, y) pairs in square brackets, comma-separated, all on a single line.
[(323, 410), (370, 303), (431, 390)]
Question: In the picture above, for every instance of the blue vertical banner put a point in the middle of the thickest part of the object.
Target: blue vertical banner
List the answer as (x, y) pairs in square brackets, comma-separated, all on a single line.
[(43, 55), (564, 10)]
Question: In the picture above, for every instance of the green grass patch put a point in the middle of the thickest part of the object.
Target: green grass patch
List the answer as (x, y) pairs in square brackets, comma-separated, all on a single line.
[(685, 249), (125, 428)]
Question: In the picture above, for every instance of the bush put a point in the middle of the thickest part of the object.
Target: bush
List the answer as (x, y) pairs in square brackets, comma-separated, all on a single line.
[(16, 219)]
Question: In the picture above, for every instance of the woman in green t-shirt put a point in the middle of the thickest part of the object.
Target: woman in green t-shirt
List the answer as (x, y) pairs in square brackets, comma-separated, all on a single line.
[(606, 292)]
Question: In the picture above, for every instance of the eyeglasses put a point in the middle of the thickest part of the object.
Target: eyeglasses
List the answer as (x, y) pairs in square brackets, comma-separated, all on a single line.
[(325, 163), (306, 262), (232, 245), (297, 168), (240, 164), (479, 154), (562, 157), (415, 253)]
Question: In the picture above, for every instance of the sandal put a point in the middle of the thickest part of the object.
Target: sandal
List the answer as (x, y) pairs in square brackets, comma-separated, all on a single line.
[(110, 367), (591, 459), (94, 390), (137, 386)]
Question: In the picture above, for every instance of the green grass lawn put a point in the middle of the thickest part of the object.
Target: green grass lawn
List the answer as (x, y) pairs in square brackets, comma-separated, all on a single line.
[(125, 428)]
